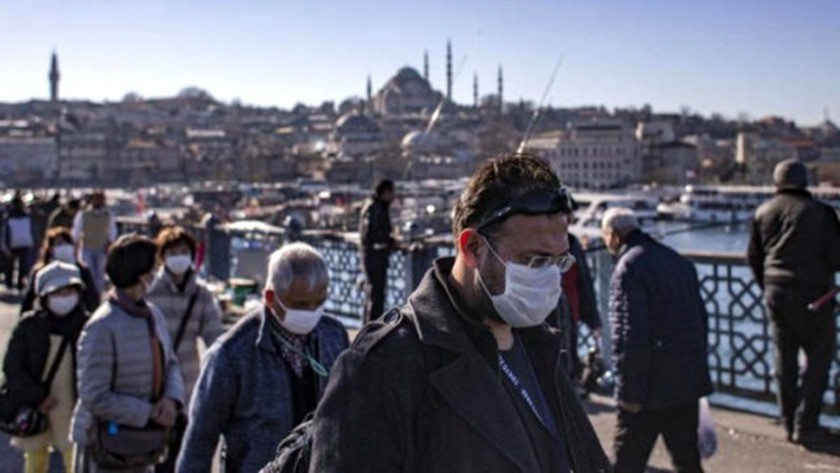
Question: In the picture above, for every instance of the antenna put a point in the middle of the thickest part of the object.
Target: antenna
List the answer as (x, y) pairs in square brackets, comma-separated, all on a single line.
[(535, 118)]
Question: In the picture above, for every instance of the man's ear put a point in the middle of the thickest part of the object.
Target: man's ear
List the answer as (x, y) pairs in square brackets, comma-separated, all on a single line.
[(469, 244), (268, 297)]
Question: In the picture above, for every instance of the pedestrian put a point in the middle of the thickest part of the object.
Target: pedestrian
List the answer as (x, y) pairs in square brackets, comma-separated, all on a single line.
[(794, 253), (93, 230), (130, 386), (18, 243), (377, 242), (578, 305), (659, 335), (65, 215), (42, 347), (466, 376), (191, 313), (58, 246), (263, 377)]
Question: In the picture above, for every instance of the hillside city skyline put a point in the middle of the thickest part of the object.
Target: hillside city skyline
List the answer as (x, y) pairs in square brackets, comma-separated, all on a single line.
[(760, 58)]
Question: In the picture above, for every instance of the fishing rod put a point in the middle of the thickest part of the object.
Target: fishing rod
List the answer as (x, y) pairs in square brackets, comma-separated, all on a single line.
[(829, 296), (677, 231), (536, 116)]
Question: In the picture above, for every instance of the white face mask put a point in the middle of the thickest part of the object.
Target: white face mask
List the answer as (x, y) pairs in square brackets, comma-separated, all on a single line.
[(178, 264), (65, 253), (298, 321), (62, 305), (530, 293)]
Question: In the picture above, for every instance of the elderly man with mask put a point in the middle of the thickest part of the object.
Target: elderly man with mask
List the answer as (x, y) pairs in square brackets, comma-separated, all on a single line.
[(259, 380), (466, 376), (659, 326)]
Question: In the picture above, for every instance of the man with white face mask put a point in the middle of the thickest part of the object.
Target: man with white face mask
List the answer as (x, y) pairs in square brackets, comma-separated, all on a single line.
[(263, 377), (467, 376)]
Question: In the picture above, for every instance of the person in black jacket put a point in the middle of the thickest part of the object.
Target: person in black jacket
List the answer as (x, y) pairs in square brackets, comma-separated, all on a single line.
[(794, 253), (659, 333), (33, 347), (58, 246), (377, 243), (466, 376)]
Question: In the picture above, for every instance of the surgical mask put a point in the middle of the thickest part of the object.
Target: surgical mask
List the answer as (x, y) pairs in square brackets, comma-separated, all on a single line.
[(530, 293), (65, 253), (62, 305), (178, 264), (299, 321)]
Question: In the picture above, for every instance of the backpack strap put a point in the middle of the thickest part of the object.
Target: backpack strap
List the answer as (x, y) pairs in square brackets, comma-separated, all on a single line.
[(182, 328), (56, 363)]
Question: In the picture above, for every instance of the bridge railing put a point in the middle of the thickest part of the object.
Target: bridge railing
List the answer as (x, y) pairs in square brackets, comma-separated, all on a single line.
[(740, 346)]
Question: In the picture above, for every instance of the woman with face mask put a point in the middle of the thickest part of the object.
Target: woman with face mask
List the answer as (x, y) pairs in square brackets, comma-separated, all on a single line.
[(130, 386), (42, 340), (190, 309), (58, 246)]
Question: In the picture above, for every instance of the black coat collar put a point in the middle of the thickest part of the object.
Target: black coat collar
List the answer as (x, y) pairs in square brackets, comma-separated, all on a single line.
[(471, 384)]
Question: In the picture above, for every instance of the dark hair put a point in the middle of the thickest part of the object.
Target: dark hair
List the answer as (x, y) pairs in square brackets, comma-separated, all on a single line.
[(384, 186), (130, 257), (51, 238), (74, 203), (496, 184), (174, 236)]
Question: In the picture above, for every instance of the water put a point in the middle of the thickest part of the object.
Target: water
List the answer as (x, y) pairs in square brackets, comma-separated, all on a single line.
[(701, 237)]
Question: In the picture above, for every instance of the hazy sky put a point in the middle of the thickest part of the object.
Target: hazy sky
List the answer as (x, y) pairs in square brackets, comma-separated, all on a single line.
[(755, 56)]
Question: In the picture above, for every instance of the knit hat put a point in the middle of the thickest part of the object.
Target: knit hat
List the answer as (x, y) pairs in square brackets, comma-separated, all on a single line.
[(790, 174), (57, 275)]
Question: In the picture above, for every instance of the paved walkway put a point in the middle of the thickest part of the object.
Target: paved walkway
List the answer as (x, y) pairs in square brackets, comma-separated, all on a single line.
[(746, 443)]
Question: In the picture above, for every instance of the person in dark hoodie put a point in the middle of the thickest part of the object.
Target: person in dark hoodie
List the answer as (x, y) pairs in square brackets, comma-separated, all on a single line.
[(41, 338), (377, 243), (794, 253), (466, 376)]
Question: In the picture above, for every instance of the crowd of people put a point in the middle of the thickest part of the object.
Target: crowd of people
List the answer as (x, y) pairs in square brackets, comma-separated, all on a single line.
[(476, 372)]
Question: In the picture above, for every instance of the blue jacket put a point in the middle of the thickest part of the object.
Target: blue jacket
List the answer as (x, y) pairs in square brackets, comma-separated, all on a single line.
[(244, 394), (659, 326)]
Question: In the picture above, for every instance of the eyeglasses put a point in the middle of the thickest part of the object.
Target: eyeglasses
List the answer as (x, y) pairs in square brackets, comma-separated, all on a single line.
[(535, 202), (563, 262)]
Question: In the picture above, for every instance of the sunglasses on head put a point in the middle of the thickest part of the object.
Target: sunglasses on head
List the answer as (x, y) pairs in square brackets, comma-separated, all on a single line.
[(535, 202)]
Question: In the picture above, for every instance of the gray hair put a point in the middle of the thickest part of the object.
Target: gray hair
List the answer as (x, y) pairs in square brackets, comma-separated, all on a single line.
[(619, 219), (296, 260)]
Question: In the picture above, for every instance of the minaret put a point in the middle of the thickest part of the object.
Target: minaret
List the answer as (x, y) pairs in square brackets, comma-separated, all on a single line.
[(500, 91), (448, 71), (426, 65), (54, 78), (475, 90)]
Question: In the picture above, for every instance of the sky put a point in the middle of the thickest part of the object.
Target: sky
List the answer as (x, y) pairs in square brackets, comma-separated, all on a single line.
[(759, 57)]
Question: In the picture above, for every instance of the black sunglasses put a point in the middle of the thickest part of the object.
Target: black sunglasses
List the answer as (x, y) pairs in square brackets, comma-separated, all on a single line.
[(535, 202)]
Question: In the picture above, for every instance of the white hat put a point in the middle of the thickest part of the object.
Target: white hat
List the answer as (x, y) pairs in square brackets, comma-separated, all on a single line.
[(57, 275)]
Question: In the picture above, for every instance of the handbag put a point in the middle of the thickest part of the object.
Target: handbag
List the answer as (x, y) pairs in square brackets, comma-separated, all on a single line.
[(26, 420), (121, 446)]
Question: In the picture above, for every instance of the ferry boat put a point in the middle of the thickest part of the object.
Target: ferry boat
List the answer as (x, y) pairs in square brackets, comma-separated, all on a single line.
[(729, 203)]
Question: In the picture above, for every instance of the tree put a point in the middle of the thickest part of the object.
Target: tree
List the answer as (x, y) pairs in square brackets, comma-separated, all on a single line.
[(193, 92), (132, 97)]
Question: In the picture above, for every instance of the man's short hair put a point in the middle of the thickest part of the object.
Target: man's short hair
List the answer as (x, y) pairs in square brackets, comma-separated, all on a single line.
[(296, 260), (620, 219), (497, 183), (174, 236), (384, 186), (129, 258)]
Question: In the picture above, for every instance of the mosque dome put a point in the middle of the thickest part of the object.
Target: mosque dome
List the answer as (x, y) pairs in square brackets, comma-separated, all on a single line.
[(356, 123)]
